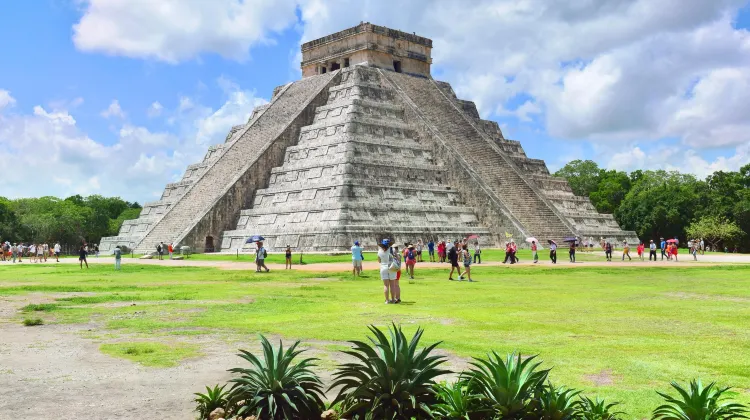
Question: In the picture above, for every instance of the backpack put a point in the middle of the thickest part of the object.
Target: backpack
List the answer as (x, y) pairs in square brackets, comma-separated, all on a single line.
[(158, 248), (410, 254), (395, 262)]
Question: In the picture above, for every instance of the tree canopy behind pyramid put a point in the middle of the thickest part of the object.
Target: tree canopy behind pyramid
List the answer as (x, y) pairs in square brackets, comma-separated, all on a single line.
[(366, 146)]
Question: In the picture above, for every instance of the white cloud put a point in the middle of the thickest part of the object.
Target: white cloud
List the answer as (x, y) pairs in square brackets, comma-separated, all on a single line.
[(678, 158), (154, 110), (6, 100), (134, 164), (179, 30), (114, 110)]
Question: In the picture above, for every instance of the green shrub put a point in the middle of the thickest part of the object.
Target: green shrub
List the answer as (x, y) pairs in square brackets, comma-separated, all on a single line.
[(277, 387), (507, 387), (598, 409), (31, 322), (556, 403), (213, 398), (39, 307), (456, 402), (699, 403), (390, 379)]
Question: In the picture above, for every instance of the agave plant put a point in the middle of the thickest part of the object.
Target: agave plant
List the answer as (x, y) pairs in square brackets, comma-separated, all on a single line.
[(277, 387), (213, 398), (390, 379), (556, 403), (699, 403), (598, 409), (506, 386), (456, 402)]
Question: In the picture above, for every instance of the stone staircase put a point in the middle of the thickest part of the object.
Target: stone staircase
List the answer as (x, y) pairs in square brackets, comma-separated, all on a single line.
[(210, 203), (484, 157)]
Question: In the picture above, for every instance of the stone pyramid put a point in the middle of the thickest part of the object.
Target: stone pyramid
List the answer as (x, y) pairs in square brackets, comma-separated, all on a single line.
[(366, 146)]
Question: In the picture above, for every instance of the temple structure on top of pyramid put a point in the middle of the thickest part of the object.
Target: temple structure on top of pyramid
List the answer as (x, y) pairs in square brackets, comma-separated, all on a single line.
[(365, 146)]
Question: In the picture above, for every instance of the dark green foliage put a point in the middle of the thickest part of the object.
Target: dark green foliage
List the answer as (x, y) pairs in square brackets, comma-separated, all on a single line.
[(508, 386), (456, 402), (390, 379), (699, 403), (276, 386), (39, 307), (32, 322), (556, 403), (599, 409), (213, 398)]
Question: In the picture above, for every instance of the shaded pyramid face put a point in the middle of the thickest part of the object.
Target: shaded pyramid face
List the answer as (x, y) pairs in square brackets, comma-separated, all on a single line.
[(358, 172)]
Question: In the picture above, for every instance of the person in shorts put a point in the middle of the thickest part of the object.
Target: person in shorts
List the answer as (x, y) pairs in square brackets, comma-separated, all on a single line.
[(453, 258), (411, 256), (467, 262), (260, 258), (82, 256), (385, 258), (431, 250), (419, 248), (160, 250), (57, 250), (356, 259), (288, 258)]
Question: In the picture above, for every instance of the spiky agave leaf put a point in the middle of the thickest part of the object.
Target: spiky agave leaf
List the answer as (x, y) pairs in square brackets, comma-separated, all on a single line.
[(699, 403), (506, 386), (599, 409), (213, 398), (277, 386), (389, 378), (456, 402), (556, 403)]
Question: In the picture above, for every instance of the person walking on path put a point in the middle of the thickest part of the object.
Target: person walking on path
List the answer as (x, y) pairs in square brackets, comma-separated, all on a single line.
[(431, 250), (674, 252), (652, 250), (82, 257), (410, 257), (626, 251), (40, 253), (467, 263), (477, 253), (260, 258), (641, 248), (608, 251), (663, 248), (553, 252), (118, 257), (356, 259), (45, 248), (534, 252), (703, 247), (396, 286), (13, 252), (288, 257), (57, 250), (694, 251), (453, 258), (572, 252), (385, 258)]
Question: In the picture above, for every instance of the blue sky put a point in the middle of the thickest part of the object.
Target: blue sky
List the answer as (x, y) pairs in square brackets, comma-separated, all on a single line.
[(624, 83)]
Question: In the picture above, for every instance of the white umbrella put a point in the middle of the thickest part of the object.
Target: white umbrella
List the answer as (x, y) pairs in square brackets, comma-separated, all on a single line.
[(532, 239)]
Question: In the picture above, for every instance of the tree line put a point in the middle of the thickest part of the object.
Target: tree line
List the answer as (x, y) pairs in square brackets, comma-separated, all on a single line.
[(72, 220), (669, 204)]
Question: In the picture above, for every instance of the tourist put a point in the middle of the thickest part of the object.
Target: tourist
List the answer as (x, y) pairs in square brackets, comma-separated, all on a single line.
[(82, 256), (395, 286), (553, 252), (260, 258), (453, 258), (572, 251), (703, 247), (663, 248), (467, 262), (534, 253), (448, 247), (288, 258), (13, 253), (431, 250), (357, 258), (513, 252), (608, 251), (96, 250), (441, 251), (385, 258), (118, 257), (40, 253), (32, 252), (652, 250), (477, 253), (419, 248), (641, 248), (507, 252), (45, 248), (626, 251), (159, 250), (410, 257), (57, 250), (694, 251), (170, 249), (674, 251)]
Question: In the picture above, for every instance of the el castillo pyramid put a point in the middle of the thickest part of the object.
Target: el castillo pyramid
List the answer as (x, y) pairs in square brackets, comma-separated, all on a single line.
[(366, 146)]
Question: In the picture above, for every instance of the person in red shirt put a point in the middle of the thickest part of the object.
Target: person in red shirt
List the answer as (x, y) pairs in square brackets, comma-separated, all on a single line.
[(441, 251), (640, 249), (410, 257), (171, 250)]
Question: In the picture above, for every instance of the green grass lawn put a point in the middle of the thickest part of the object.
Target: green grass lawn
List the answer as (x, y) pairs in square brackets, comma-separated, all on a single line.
[(619, 332)]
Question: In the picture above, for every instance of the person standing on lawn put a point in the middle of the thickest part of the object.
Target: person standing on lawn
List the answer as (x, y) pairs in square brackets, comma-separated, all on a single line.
[(453, 258), (467, 262), (534, 252), (477, 253), (118, 257), (431, 250), (441, 251), (385, 258), (396, 287), (356, 259), (410, 257), (170, 249), (608, 251), (57, 250), (572, 252), (553, 252), (82, 257), (419, 248), (288, 257), (160, 250)]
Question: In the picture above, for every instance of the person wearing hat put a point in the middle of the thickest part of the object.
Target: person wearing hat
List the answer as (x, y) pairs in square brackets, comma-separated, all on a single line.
[(357, 258), (410, 257), (652, 250), (288, 255), (663, 248), (385, 258)]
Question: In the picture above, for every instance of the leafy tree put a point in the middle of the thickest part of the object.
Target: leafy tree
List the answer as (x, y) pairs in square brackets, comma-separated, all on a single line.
[(714, 230), (612, 188), (582, 175)]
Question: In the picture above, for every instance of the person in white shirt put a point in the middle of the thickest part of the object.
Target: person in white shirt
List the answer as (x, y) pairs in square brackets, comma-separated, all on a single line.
[(652, 251), (57, 251), (553, 252), (32, 252), (389, 277), (45, 247)]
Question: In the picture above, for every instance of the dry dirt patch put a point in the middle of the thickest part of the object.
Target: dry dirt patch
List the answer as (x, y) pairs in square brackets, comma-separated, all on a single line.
[(603, 378)]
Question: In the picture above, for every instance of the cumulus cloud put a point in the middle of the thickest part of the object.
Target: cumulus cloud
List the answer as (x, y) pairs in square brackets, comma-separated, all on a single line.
[(135, 164), (113, 110), (5, 99), (179, 30), (154, 110)]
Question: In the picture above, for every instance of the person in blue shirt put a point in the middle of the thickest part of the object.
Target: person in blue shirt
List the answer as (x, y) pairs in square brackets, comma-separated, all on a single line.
[(663, 247), (357, 258), (431, 250)]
